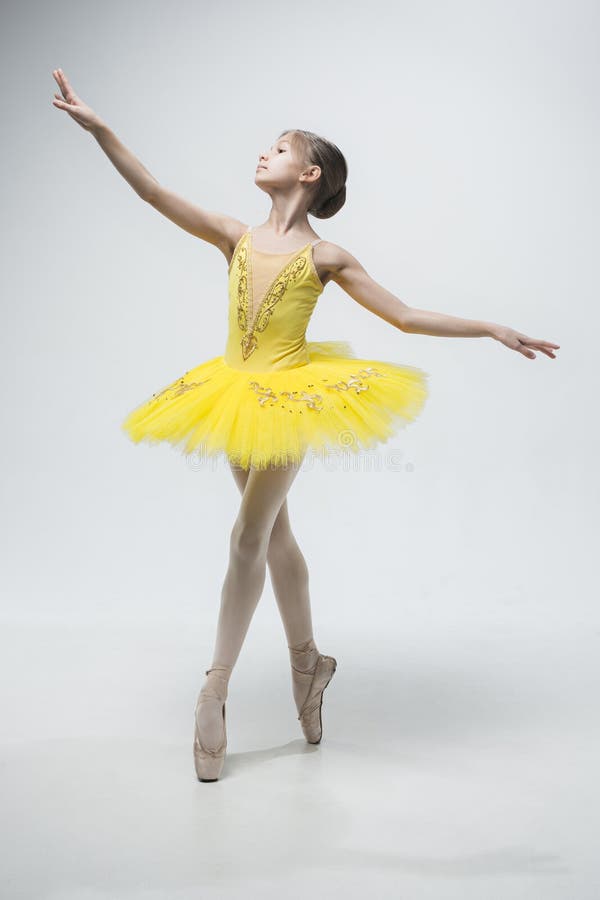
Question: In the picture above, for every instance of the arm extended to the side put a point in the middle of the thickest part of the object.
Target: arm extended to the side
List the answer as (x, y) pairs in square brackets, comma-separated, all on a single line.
[(353, 278), (336, 263)]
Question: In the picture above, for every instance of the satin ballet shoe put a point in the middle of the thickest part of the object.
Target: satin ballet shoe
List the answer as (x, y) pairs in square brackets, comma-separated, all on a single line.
[(209, 762), (317, 678)]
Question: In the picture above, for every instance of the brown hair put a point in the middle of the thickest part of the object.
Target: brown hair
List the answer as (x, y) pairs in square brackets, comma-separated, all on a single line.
[(329, 194)]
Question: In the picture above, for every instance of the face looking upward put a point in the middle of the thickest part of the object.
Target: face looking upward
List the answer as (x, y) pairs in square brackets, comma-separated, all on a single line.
[(279, 168)]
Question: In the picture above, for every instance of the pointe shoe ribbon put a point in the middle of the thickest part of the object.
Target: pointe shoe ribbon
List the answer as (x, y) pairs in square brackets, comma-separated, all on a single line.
[(209, 762), (310, 713)]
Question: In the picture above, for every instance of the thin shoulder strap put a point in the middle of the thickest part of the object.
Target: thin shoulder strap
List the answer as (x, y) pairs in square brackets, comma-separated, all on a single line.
[(318, 241)]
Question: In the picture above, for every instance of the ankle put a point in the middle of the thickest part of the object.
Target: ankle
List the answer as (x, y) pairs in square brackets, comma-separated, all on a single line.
[(217, 682), (304, 656)]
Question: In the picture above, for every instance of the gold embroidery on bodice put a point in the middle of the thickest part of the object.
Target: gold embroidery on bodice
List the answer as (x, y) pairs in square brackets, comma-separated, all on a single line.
[(250, 322)]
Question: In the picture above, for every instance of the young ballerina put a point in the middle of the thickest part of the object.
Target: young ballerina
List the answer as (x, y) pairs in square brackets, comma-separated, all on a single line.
[(273, 395)]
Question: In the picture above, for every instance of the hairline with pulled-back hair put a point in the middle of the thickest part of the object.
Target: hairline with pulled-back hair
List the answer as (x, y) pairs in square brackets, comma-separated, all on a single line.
[(329, 195)]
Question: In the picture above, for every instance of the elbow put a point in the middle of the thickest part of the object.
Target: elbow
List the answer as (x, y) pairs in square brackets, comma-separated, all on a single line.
[(150, 192), (403, 319)]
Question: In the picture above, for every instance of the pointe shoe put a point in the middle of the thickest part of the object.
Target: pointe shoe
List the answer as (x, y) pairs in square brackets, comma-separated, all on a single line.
[(209, 762), (310, 713)]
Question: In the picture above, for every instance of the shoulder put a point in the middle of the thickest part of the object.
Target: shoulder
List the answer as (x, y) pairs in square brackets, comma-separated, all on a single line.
[(231, 233), (331, 260)]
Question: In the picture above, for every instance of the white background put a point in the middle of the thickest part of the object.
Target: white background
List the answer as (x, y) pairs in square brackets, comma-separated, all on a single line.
[(453, 577)]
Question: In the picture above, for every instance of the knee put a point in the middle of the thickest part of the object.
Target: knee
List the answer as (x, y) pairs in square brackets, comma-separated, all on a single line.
[(248, 540), (283, 548)]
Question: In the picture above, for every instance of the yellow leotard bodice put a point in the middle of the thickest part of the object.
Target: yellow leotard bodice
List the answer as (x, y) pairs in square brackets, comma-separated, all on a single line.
[(271, 299)]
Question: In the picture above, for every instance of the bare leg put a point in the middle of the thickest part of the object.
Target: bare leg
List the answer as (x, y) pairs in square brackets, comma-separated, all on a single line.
[(264, 492), (289, 577)]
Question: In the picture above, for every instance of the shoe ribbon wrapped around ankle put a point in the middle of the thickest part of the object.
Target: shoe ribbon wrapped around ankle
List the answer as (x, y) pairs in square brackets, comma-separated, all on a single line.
[(209, 692)]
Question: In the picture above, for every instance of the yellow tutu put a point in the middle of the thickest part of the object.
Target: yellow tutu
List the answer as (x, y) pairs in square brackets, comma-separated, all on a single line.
[(273, 395), (259, 419)]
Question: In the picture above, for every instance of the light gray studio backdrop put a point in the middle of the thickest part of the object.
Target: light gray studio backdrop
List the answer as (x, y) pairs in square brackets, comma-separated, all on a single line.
[(453, 571)]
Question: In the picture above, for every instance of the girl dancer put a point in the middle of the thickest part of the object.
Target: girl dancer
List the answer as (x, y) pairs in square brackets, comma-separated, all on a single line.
[(272, 395)]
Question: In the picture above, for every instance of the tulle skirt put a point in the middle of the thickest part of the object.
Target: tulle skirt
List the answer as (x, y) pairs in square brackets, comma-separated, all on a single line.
[(263, 419)]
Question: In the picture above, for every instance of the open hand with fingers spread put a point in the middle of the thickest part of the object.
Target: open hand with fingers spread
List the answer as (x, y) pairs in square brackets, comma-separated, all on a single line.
[(515, 340), (83, 114)]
